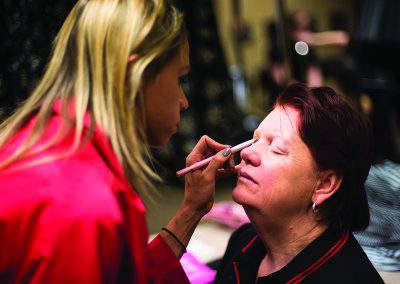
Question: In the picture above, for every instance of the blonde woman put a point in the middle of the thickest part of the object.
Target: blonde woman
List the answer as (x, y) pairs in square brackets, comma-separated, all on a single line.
[(74, 157)]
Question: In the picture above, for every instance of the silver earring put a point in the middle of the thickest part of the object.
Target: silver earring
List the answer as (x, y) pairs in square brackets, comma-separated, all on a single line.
[(314, 207)]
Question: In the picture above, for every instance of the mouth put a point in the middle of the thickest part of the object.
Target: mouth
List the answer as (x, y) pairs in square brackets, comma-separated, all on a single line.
[(245, 176)]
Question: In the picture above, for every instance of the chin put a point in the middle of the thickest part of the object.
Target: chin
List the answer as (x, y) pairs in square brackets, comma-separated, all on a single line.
[(237, 195), (244, 195), (158, 142)]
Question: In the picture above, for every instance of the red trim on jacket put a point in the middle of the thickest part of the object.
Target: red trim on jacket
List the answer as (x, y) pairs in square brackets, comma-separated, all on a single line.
[(249, 244), (243, 250), (236, 272), (312, 268)]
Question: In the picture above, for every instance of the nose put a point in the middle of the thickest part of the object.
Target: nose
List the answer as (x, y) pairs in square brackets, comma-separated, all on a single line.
[(183, 102), (250, 155)]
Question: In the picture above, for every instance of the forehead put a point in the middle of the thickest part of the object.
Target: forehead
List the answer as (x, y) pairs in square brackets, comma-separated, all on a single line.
[(281, 121), (184, 53), (181, 59), (185, 49)]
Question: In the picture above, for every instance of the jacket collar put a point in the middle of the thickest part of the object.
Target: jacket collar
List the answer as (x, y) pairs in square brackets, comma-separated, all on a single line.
[(305, 263)]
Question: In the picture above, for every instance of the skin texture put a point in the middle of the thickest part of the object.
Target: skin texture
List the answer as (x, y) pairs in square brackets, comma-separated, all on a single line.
[(277, 183), (164, 99), (276, 180), (277, 174), (199, 192)]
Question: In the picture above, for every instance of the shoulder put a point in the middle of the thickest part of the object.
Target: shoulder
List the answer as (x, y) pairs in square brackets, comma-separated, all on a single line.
[(239, 239), (352, 264), (358, 260), (243, 234), (57, 188), (237, 252), (57, 194), (81, 184)]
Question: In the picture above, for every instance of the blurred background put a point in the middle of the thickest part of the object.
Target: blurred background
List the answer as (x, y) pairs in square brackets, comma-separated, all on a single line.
[(243, 53)]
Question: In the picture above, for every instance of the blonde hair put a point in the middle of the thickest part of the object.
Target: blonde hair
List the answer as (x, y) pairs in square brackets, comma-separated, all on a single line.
[(89, 71)]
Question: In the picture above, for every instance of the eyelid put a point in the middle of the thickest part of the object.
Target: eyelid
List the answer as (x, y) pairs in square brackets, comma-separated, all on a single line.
[(185, 72), (281, 148), (184, 79), (278, 149)]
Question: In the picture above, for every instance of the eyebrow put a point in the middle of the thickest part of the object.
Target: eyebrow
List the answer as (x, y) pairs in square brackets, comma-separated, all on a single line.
[(274, 134)]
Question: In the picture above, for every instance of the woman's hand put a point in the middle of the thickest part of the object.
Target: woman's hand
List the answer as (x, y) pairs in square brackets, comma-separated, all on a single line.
[(200, 184), (199, 191)]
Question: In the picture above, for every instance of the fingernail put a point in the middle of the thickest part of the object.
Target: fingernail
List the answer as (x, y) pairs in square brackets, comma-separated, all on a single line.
[(226, 152)]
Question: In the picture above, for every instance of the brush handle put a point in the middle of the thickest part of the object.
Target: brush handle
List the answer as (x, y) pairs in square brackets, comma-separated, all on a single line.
[(205, 162)]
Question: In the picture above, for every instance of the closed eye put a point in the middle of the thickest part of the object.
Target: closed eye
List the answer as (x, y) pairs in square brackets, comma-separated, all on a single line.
[(278, 151)]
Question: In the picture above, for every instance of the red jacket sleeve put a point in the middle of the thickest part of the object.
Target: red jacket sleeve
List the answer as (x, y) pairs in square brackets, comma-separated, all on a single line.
[(164, 266)]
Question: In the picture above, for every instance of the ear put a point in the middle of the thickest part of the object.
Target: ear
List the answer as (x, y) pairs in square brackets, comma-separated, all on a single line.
[(329, 183), (133, 57)]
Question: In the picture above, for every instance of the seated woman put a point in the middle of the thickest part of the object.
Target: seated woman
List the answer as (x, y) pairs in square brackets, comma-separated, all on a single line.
[(302, 187)]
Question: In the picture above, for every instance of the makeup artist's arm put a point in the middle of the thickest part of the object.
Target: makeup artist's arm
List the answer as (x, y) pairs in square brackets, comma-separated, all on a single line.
[(199, 192)]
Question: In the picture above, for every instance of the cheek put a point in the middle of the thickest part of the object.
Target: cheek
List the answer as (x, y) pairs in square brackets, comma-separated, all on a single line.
[(273, 175), (295, 190), (278, 183), (248, 192)]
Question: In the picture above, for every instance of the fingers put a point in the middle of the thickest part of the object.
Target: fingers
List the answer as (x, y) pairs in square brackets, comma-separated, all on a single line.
[(206, 147), (226, 172), (222, 158), (200, 183)]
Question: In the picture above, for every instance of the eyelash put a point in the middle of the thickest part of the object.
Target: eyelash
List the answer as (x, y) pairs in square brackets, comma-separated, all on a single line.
[(277, 152), (183, 80)]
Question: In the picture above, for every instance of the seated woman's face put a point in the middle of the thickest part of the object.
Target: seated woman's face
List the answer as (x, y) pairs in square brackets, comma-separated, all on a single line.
[(277, 175)]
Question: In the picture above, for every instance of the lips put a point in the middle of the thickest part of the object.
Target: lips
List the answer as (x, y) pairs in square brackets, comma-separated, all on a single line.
[(246, 176)]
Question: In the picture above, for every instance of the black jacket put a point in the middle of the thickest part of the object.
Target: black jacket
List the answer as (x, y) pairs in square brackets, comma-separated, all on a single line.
[(334, 257)]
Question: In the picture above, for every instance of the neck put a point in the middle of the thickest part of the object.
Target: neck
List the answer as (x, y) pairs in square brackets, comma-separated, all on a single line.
[(284, 242)]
